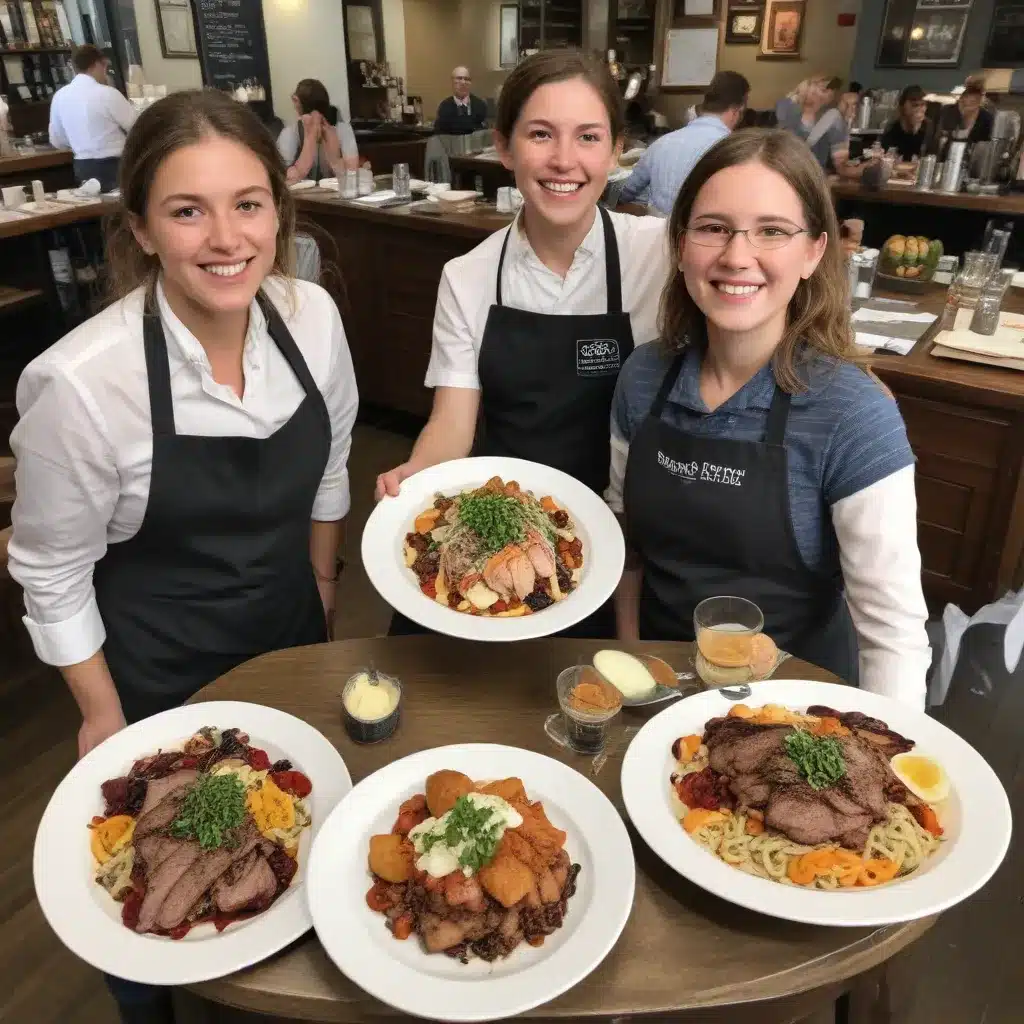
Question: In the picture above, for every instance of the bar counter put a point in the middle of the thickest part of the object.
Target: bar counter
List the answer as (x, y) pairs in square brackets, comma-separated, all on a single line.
[(51, 166), (965, 421)]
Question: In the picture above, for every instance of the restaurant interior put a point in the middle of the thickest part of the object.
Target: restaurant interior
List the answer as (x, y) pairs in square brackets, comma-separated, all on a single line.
[(387, 65)]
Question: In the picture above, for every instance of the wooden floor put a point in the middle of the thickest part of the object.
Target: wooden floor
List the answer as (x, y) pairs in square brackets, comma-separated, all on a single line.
[(967, 970)]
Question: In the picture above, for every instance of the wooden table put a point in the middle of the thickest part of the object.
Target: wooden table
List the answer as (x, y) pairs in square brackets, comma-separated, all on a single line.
[(684, 953)]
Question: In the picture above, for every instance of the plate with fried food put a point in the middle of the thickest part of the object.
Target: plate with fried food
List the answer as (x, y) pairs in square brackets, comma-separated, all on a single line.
[(471, 882)]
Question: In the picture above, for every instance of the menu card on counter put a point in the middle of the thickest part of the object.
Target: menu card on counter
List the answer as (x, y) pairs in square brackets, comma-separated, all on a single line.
[(232, 44)]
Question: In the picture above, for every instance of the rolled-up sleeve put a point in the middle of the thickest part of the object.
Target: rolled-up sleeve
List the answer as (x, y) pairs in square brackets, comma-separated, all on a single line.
[(341, 397), (453, 354), (67, 487)]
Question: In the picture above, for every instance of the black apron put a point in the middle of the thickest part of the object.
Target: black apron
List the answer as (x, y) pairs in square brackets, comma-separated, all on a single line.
[(546, 384), (219, 571), (710, 517)]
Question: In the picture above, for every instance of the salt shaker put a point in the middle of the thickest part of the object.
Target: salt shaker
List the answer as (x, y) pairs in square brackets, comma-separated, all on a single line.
[(986, 310)]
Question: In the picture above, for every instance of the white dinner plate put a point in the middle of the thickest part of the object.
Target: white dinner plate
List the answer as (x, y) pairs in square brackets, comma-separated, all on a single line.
[(975, 818), (604, 551), (435, 986), (88, 921)]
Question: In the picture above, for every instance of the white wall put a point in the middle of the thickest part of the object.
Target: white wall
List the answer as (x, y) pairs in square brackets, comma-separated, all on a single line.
[(393, 16), (305, 39)]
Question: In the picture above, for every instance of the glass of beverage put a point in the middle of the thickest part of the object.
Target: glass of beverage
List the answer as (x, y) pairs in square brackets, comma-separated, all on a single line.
[(725, 628), (588, 703), (400, 181)]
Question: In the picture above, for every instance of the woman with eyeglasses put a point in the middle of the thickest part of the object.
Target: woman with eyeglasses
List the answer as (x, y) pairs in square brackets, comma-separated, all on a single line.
[(751, 454)]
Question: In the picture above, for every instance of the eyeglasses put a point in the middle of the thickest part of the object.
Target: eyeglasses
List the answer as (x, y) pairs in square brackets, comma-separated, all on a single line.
[(718, 236)]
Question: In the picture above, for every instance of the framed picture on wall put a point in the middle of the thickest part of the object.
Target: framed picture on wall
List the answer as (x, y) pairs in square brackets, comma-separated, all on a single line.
[(936, 35), (783, 30), (175, 28), (1005, 46), (508, 36), (743, 24)]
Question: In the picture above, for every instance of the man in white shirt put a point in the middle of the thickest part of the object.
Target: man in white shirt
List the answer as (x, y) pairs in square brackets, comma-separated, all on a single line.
[(91, 118)]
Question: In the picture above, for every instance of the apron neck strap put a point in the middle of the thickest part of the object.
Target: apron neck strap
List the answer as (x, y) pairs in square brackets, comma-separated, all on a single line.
[(778, 415), (667, 383), (282, 337), (612, 270), (158, 370)]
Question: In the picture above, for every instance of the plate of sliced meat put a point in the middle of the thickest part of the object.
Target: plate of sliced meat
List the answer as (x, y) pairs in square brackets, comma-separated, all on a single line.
[(471, 882), (494, 549), (175, 852), (817, 803)]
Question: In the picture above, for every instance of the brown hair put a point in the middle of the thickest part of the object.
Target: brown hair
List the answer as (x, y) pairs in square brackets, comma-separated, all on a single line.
[(974, 87), (312, 96), (86, 57), (727, 89), (549, 66), (183, 119), (819, 317)]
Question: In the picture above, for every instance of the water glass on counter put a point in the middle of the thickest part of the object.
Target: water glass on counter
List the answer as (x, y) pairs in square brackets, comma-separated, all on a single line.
[(400, 181), (862, 267), (349, 185)]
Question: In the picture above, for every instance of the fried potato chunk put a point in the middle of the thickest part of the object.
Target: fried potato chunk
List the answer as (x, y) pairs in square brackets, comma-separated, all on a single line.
[(444, 788), (536, 842), (392, 858), (507, 879), (510, 790)]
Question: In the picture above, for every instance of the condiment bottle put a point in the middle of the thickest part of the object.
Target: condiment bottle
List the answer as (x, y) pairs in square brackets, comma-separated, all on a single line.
[(371, 705), (589, 703)]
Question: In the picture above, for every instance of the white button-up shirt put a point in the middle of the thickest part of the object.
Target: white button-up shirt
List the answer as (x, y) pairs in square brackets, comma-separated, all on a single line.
[(84, 441), (90, 119), (468, 289)]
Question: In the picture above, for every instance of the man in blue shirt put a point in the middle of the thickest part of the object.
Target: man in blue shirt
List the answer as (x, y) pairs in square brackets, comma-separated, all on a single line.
[(669, 160)]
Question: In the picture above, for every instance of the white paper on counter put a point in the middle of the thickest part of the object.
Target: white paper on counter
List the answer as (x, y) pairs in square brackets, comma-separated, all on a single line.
[(376, 197), (885, 316), (1008, 611), (901, 346)]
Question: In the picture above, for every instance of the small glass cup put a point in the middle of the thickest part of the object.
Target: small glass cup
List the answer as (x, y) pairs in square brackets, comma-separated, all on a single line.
[(371, 730), (586, 723), (725, 628), (400, 181)]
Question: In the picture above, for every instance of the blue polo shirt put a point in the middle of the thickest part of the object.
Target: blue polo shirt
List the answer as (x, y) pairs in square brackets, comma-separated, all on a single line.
[(844, 432)]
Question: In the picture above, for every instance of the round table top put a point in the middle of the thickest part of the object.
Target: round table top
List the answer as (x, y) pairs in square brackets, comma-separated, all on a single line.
[(683, 950)]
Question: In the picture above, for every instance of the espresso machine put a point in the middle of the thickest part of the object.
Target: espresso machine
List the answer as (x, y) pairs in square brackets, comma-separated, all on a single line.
[(994, 164)]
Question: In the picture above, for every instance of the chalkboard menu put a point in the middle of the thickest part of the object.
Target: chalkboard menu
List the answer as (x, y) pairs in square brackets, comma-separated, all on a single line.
[(232, 44), (1005, 46)]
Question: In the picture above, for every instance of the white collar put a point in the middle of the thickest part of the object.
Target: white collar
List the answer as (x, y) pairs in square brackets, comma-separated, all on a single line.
[(461, 103), (520, 250), (187, 347)]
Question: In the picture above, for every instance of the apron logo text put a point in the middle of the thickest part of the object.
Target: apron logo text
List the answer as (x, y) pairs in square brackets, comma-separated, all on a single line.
[(597, 357), (706, 471)]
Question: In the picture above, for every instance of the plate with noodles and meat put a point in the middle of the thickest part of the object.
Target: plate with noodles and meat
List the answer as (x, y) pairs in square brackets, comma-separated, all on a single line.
[(494, 549), (471, 882), (176, 851), (817, 803)]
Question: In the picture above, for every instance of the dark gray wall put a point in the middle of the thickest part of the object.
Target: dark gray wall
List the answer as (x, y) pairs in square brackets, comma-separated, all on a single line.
[(869, 28)]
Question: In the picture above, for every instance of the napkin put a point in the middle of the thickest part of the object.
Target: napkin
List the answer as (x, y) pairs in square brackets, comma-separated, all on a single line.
[(901, 346), (1007, 611), (299, 186), (89, 188), (886, 316), (376, 197)]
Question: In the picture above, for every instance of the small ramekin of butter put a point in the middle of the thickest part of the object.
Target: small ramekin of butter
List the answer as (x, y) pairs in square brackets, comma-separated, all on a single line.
[(642, 679), (732, 648), (371, 705)]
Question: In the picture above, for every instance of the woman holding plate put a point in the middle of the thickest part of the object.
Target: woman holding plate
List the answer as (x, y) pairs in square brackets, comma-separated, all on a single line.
[(751, 454), (533, 325), (181, 457)]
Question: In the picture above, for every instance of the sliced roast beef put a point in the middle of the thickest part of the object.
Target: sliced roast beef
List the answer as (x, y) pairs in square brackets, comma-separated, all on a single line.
[(737, 747), (159, 788), (873, 730), (160, 816), (154, 849), (807, 816), (162, 881), (202, 873), (247, 884)]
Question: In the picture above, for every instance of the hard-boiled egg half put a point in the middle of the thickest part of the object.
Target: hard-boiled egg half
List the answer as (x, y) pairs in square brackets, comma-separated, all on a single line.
[(922, 775)]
